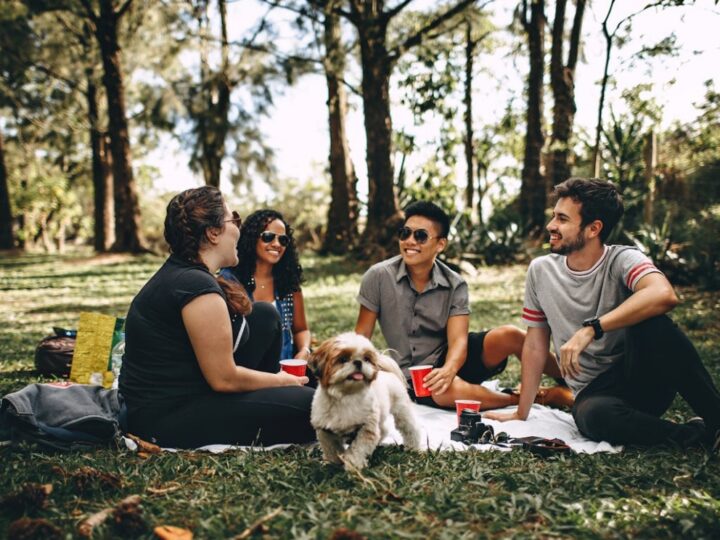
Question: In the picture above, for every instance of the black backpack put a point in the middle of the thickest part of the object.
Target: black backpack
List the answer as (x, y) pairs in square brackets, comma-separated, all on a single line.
[(53, 354)]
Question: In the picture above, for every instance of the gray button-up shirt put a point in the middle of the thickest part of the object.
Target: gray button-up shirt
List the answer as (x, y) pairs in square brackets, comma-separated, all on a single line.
[(414, 324)]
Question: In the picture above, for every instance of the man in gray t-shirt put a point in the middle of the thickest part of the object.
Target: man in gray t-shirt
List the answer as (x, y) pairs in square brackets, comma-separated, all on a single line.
[(423, 310), (604, 308)]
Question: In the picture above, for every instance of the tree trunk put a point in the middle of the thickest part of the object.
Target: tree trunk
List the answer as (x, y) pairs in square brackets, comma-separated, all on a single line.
[(562, 81), (104, 212), (483, 187), (343, 212), (128, 236), (650, 159), (532, 189), (383, 213), (469, 135), (6, 229), (603, 87), (213, 125)]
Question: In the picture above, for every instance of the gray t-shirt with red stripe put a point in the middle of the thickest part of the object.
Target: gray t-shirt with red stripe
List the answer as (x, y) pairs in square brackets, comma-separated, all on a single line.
[(559, 298)]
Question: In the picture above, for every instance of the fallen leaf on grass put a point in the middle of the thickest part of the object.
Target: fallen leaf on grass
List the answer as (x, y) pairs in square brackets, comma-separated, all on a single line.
[(346, 534), (33, 529), (170, 532), (144, 446), (390, 497), (85, 477), (259, 525), (169, 488), (128, 518), (683, 480), (86, 527), (28, 498)]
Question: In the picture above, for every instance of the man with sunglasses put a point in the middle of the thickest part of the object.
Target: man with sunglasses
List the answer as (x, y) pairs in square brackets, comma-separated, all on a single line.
[(423, 310)]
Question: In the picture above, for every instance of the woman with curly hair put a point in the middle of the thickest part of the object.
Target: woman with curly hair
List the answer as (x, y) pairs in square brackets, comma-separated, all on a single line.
[(202, 363), (270, 272)]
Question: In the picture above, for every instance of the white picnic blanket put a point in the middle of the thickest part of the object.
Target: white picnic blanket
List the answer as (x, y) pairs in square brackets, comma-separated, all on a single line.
[(436, 425)]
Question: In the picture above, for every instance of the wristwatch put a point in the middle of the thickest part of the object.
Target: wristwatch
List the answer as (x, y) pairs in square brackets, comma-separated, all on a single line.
[(595, 323)]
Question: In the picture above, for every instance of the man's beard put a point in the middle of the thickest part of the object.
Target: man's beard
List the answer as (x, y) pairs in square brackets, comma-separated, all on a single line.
[(566, 249)]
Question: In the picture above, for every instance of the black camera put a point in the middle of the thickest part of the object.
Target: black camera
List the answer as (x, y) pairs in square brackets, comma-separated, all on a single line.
[(472, 430)]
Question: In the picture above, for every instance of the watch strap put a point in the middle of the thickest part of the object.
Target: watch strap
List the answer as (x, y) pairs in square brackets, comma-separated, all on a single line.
[(597, 328)]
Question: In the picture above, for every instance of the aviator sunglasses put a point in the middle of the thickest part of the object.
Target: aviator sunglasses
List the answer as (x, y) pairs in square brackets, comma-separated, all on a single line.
[(267, 237), (421, 235)]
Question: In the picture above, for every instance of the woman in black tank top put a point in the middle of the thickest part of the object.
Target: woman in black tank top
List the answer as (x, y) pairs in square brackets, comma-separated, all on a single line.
[(182, 385)]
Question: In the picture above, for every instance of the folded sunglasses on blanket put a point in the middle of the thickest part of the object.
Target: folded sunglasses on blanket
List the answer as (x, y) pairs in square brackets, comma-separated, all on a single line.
[(537, 445)]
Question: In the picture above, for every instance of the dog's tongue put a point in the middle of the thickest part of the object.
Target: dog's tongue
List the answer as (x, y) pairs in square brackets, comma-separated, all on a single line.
[(358, 376)]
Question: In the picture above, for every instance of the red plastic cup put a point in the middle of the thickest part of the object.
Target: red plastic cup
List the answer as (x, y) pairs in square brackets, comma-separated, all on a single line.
[(466, 404), (418, 373), (294, 366)]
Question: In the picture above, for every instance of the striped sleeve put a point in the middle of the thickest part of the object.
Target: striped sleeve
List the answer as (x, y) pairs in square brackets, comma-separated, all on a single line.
[(533, 316), (532, 313), (634, 267), (638, 271)]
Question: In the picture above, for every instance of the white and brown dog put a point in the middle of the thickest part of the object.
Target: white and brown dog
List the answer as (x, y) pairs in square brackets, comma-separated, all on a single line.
[(358, 389)]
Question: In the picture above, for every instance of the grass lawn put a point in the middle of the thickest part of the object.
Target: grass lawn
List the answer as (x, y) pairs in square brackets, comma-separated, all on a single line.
[(656, 493)]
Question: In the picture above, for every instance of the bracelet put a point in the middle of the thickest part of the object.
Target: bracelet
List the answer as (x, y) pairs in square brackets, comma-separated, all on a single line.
[(306, 349)]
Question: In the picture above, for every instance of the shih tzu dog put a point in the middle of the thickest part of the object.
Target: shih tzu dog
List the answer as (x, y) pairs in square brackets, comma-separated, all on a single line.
[(358, 389)]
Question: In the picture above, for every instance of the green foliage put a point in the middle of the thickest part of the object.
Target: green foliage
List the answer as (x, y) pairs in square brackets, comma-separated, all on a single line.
[(304, 204), (685, 243), (668, 46), (431, 79), (660, 244), (658, 493), (625, 143), (499, 242), (434, 183), (702, 248)]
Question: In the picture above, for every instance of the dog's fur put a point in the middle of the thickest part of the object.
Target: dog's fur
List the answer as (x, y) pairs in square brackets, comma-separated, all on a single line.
[(358, 388)]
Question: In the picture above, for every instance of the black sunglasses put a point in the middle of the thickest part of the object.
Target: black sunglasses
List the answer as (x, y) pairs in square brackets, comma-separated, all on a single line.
[(236, 219), (421, 235), (267, 237)]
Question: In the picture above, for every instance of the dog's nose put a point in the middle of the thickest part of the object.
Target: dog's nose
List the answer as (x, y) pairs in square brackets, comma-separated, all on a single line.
[(357, 364)]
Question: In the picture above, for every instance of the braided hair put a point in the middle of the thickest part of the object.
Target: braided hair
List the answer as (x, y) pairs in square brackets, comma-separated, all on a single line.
[(189, 214), (287, 273)]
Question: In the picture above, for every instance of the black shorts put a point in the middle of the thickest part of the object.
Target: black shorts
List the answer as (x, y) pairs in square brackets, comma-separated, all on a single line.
[(472, 371)]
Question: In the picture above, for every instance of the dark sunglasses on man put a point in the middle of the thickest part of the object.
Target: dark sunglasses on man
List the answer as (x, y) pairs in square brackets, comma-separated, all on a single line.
[(421, 235), (236, 219), (267, 237)]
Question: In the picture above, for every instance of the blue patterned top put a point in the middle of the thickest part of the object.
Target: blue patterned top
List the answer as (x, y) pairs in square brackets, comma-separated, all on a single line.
[(285, 307)]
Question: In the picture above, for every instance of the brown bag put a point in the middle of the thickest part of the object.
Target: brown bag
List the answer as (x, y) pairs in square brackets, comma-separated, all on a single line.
[(53, 355)]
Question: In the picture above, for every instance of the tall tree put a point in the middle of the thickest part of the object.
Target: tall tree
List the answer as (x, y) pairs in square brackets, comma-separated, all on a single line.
[(343, 210), (103, 197), (470, 45), (562, 82), (371, 19), (101, 161), (472, 39), (215, 88), (532, 188), (341, 230), (128, 234), (227, 95), (15, 47), (6, 233), (609, 37)]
